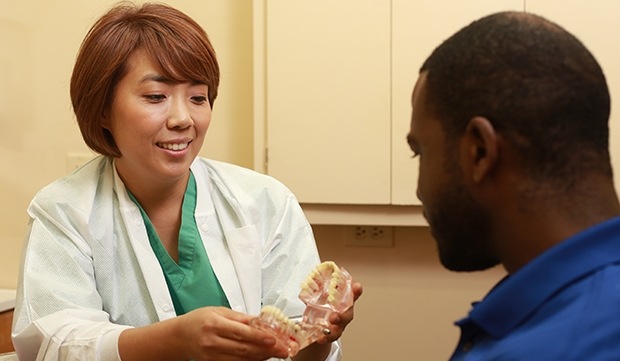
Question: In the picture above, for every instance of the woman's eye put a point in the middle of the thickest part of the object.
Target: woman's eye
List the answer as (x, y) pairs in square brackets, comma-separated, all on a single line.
[(155, 97), (199, 99)]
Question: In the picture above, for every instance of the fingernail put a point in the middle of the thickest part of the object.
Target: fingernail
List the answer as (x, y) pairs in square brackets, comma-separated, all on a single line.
[(282, 355)]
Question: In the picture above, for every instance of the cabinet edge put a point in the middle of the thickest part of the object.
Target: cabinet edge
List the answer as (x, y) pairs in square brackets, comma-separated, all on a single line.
[(379, 215)]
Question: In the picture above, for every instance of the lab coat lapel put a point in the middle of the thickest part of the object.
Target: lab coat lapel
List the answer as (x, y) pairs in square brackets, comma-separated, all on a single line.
[(245, 253), (151, 270), (242, 240)]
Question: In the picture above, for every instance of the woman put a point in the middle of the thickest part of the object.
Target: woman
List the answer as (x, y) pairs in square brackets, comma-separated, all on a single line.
[(150, 252)]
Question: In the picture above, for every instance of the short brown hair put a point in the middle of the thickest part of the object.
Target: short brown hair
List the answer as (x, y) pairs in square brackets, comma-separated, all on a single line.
[(171, 38)]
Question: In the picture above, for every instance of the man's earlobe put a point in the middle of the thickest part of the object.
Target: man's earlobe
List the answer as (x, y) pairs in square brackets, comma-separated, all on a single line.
[(483, 148)]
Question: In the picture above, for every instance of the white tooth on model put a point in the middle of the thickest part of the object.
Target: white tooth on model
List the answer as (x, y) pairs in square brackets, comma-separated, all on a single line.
[(326, 283), (288, 332)]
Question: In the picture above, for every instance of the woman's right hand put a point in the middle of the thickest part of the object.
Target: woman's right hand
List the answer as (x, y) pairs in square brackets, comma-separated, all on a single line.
[(205, 334), (218, 333)]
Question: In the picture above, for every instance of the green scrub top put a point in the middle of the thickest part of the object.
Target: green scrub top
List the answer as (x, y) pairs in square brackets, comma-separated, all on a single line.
[(191, 282)]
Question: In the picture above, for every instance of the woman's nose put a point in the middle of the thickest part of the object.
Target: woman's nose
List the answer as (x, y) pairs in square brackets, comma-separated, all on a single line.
[(179, 116)]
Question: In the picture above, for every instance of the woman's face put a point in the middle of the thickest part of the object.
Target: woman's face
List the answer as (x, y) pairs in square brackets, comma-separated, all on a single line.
[(158, 124)]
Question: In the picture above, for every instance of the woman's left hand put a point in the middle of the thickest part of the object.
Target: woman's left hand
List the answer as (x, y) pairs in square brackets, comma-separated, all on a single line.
[(339, 321)]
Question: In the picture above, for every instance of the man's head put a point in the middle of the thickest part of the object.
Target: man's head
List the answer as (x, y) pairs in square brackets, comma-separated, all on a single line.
[(524, 80)]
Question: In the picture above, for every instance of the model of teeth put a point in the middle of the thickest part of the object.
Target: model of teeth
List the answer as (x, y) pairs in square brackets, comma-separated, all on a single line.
[(292, 335), (326, 290)]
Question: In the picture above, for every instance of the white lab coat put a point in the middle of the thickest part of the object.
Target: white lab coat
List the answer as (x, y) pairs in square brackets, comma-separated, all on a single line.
[(88, 271)]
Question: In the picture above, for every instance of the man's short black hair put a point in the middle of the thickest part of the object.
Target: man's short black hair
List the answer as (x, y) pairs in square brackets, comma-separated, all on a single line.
[(538, 85)]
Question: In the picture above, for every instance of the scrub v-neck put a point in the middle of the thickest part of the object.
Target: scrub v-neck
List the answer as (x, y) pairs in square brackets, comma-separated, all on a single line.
[(191, 282)]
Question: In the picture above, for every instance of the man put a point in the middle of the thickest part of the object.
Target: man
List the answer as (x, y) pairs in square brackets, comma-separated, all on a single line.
[(510, 121)]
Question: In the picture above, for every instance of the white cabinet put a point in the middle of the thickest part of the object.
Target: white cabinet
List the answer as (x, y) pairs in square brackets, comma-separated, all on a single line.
[(597, 25), (333, 82), (327, 99), (336, 79)]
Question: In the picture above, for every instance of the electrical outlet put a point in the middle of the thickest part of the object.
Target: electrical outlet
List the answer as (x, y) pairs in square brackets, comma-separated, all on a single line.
[(369, 236)]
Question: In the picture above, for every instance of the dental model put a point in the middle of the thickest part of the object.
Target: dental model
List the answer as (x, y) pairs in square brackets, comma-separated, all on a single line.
[(292, 335), (326, 290)]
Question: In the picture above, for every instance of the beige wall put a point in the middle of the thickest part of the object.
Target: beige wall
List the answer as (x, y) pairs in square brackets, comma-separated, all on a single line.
[(39, 41), (410, 301)]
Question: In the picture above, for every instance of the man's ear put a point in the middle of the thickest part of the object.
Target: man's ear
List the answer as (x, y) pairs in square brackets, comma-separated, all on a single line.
[(480, 151)]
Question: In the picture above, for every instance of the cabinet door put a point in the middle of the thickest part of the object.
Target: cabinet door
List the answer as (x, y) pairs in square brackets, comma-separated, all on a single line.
[(596, 25), (327, 91), (419, 27)]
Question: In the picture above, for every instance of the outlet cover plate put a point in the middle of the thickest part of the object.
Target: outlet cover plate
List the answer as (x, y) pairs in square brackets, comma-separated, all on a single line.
[(369, 236)]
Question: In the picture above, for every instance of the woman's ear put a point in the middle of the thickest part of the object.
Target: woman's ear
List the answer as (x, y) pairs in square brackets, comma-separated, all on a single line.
[(105, 120), (480, 143)]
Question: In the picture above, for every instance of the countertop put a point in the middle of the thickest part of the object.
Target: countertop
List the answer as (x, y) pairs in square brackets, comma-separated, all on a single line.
[(7, 299), (11, 356)]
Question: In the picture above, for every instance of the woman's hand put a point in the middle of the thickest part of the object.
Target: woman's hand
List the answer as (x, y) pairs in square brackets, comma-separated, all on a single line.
[(319, 350), (205, 334), (339, 321), (218, 333)]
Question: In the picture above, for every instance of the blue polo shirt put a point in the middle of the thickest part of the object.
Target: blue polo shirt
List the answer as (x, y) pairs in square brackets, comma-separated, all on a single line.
[(563, 305)]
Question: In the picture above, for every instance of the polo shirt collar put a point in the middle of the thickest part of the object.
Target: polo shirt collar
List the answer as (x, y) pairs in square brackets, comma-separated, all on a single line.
[(517, 296)]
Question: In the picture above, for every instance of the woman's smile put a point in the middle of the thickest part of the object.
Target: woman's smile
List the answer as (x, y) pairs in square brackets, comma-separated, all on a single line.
[(174, 146)]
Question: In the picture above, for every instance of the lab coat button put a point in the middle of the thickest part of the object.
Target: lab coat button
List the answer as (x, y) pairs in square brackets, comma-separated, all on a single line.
[(166, 307), (204, 227)]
